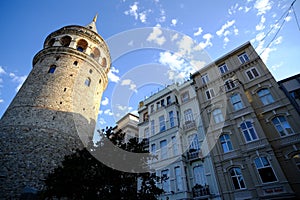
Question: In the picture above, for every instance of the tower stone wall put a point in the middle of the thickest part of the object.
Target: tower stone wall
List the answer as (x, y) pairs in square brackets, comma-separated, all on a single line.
[(56, 109)]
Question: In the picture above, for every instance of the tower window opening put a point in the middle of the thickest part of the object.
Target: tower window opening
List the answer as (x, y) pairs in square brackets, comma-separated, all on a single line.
[(75, 63), (95, 53), (99, 81), (65, 89), (91, 71), (60, 102), (82, 45), (104, 63), (65, 41), (87, 82), (52, 69)]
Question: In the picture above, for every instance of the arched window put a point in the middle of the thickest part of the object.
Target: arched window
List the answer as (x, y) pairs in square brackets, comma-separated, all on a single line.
[(226, 143), (296, 159), (87, 82), (52, 69), (265, 170), (236, 102), (237, 178), (282, 126), (265, 96), (81, 45), (65, 41), (218, 116), (95, 53), (248, 131), (103, 63)]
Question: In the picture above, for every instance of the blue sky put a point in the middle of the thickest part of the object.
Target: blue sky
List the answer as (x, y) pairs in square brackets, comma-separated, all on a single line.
[(216, 26)]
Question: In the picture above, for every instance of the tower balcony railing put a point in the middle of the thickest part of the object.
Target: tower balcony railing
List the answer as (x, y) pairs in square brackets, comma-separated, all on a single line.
[(200, 191)]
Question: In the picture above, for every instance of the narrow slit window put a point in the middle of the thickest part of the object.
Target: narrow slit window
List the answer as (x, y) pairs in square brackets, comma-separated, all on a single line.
[(52, 69), (87, 82)]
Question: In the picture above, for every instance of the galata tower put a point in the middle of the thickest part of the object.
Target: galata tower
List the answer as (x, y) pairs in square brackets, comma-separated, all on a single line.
[(56, 109)]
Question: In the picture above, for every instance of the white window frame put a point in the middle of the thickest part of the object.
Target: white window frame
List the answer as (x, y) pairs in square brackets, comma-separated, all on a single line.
[(193, 142), (223, 68), (185, 96), (237, 102), (152, 125), (253, 73), (210, 93), (243, 58), (248, 130), (265, 96), (163, 149), (218, 115), (282, 126), (178, 178), (262, 162), (229, 84), (188, 116), (205, 78), (238, 177), (162, 123), (226, 143)]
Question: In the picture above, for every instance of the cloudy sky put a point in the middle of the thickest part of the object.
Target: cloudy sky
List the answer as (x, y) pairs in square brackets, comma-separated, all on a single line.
[(153, 42)]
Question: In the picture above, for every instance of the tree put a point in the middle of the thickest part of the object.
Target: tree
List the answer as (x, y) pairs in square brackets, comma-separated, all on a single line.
[(82, 176)]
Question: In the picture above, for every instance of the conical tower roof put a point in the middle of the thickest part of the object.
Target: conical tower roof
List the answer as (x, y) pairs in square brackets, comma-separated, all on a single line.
[(92, 25)]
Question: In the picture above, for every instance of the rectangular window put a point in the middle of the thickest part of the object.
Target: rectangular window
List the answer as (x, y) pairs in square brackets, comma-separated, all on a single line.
[(204, 78), (226, 143), (178, 178), (223, 68), (185, 97), (248, 131), (282, 126), (152, 127), (188, 116), (146, 133), (237, 178), (265, 170), (168, 100), (174, 146), (252, 73), (265, 96), (163, 149), (194, 142), (236, 102), (162, 102), (153, 149), (151, 108), (218, 116), (171, 119), (165, 183), (199, 175), (162, 123), (243, 58), (209, 93)]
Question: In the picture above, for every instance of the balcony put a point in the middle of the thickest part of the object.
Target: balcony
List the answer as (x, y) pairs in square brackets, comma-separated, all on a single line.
[(200, 191), (194, 154), (189, 125), (260, 143)]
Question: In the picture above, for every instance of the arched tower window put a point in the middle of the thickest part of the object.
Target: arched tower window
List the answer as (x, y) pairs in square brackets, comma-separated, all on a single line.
[(87, 82), (81, 45), (52, 69), (51, 42), (65, 41), (95, 53), (104, 63)]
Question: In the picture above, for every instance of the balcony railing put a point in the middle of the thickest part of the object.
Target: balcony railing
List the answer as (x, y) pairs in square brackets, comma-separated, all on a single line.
[(189, 125), (200, 191), (194, 154)]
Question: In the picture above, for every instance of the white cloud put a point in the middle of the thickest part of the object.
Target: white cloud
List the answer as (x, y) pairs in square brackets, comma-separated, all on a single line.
[(108, 112), (174, 22), (1, 100), (171, 60), (224, 27), (277, 66), (207, 42), (112, 75), (101, 121), (130, 83), (288, 18), (100, 112), (162, 17), (278, 40), (143, 17), (235, 30), (199, 31), (156, 36), (261, 25), (262, 6), (247, 9), (17, 79), (2, 71), (133, 10), (233, 9), (105, 101)]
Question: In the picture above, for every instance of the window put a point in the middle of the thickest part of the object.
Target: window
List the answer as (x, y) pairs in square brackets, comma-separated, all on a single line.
[(282, 126), (265, 96), (153, 149), (223, 68), (165, 183), (162, 123), (95, 53), (152, 124), (188, 116), (151, 108), (265, 170), (199, 175), (65, 41), (104, 62), (237, 178), (252, 73), (236, 102), (243, 58), (52, 69), (249, 131), (146, 133), (174, 146), (209, 93), (204, 78), (162, 102), (87, 82), (218, 116), (82, 45), (168, 100), (171, 118), (185, 97), (229, 85), (296, 159), (194, 142), (163, 149), (178, 179), (226, 143)]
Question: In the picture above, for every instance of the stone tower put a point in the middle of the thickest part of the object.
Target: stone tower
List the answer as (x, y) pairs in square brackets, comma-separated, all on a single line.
[(56, 109)]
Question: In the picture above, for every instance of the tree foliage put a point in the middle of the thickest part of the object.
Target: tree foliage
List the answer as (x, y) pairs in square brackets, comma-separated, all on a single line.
[(82, 176)]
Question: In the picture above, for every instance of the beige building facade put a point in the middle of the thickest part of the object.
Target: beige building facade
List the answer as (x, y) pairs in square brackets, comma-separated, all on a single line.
[(254, 130)]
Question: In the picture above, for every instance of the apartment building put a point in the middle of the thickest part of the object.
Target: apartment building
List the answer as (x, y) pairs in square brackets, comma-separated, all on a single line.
[(128, 124), (252, 128), (171, 122)]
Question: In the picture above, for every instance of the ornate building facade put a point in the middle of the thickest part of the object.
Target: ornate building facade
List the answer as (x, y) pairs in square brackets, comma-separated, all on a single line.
[(56, 109)]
